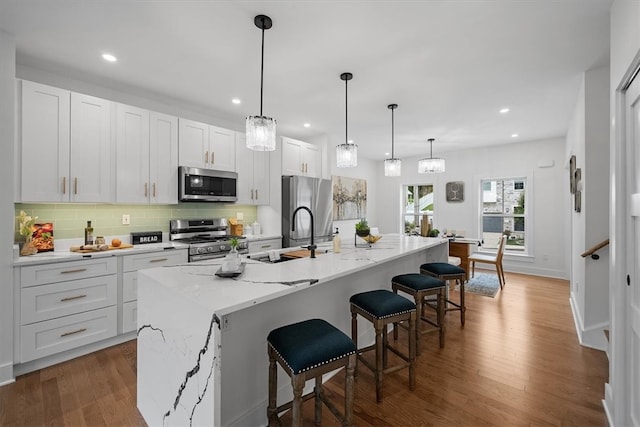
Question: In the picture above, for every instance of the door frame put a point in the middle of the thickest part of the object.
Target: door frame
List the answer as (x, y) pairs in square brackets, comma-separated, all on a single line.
[(616, 402)]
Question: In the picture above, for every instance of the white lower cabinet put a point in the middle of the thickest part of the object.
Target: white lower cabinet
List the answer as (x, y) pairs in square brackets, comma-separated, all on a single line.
[(130, 266), (66, 305), (65, 333)]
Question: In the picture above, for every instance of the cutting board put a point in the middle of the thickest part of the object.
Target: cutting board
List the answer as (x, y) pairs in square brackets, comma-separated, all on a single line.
[(85, 251), (301, 253)]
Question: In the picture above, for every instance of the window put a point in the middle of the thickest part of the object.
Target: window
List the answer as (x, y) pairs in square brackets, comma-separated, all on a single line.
[(503, 212), (418, 203)]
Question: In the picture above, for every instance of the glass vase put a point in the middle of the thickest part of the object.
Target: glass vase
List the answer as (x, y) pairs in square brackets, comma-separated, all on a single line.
[(231, 261)]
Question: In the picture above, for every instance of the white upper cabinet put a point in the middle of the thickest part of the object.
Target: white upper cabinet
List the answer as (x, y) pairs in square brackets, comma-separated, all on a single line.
[(147, 156), (132, 154), (45, 143), (205, 146), (301, 158), (65, 146), (253, 174), (163, 159)]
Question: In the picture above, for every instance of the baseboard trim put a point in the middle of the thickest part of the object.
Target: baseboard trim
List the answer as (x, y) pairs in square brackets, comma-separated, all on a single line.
[(607, 403), (592, 337), (6, 374)]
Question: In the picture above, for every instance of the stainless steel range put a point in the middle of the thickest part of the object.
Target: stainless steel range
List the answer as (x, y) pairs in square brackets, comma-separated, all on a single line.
[(207, 238)]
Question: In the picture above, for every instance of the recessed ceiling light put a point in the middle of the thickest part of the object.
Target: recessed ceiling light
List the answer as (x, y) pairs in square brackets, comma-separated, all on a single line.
[(514, 135), (504, 111), (109, 57), (307, 125), (236, 101)]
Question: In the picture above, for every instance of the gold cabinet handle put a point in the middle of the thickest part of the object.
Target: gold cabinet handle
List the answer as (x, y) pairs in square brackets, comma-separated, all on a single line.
[(77, 270), (256, 194), (213, 157), (159, 260), (72, 298), (66, 334), (64, 185), (75, 185), (252, 194), (302, 167), (265, 246), (146, 187), (206, 157), (154, 189)]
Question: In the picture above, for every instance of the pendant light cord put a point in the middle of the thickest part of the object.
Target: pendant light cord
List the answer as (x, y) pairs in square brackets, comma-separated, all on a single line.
[(346, 113), (262, 68), (392, 133)]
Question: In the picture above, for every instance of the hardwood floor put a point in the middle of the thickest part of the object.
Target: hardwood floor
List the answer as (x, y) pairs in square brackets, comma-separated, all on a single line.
[(517, 361)]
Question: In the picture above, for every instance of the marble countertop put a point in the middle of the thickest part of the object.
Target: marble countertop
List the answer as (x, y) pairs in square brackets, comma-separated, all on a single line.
[(264, 281), (62, 252)]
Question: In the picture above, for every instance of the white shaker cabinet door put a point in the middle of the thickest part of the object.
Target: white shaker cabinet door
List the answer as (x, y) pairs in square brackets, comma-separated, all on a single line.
[(292, 163), (92, 169), (261, 177), (193, 143), (163, 159), (132, 155), (44, 148), (222, 145), (253, 174), (312, 159)]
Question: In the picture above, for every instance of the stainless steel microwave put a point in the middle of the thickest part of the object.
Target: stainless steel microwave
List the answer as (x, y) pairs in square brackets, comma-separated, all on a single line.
[(207, 185)]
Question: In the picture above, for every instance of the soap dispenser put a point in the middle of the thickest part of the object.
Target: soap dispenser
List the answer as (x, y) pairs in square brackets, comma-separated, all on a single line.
[(336, 242)]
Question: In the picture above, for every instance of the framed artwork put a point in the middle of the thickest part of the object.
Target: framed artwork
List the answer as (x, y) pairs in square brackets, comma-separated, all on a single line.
[(577, 195), (572, 174), (349, 198), (455, 191)]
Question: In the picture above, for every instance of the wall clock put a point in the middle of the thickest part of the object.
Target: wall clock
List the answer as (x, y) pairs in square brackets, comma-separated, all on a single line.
[(455, 191)]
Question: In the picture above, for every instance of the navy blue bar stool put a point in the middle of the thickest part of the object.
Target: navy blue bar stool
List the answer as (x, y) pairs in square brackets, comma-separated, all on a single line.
[(308, 350), (445, 271), (421, 286), (382, 307)]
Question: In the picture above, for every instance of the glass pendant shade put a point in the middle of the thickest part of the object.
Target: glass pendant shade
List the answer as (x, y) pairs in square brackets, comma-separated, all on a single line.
[(347, 155), (431, 164), (261, 133), (392, 167)]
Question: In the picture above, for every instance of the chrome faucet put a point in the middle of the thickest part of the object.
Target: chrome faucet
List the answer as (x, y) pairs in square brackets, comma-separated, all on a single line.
[(312, 247)]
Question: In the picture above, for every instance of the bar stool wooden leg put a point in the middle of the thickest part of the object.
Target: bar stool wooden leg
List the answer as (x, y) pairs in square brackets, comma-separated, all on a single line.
[(380, 361), (297, 383), (272, 414), (348, 389), (440, 316), (318, 402), (412, 350)]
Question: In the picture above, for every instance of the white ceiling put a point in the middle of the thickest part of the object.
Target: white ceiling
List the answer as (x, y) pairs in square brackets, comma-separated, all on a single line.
[(449, 65)]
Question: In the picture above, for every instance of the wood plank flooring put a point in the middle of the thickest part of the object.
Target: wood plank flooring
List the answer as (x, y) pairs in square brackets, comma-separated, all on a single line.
[(516, 362)]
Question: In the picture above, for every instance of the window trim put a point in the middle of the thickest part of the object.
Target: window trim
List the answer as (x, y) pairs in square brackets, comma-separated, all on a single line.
[(404, 214), (529, 213)]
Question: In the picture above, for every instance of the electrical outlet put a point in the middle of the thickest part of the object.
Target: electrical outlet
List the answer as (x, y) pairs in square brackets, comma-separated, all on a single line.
[(240, 216), (126, 219)]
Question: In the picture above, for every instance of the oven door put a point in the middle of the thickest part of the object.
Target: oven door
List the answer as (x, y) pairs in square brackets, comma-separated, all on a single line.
[(207, 185)]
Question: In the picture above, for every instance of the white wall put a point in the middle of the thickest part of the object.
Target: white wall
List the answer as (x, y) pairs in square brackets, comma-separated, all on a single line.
[(550, 194), (625, 45), (587, 140), (7, 124)]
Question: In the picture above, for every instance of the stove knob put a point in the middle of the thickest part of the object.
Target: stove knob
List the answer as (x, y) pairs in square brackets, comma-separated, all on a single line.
[(223, 247), (211, 249), (202, 250)]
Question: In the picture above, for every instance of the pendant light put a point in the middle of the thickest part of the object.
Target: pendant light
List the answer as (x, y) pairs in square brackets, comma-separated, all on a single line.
[(347, 153), (392, 166), (261, 130), (432, 164)]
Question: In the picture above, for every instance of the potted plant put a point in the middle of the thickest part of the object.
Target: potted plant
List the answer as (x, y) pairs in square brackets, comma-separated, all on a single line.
[(25, 223), (362, 228)]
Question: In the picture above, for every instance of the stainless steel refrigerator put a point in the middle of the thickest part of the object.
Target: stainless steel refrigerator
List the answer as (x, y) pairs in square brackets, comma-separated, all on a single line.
[(315, 194)]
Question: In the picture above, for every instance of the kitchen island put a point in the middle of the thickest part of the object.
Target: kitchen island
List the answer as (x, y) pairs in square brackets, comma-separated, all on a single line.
[(202, 352)]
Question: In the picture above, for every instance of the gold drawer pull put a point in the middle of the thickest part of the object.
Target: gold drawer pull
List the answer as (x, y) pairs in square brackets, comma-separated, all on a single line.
[(75, 185), (146, 185), (78, 270), (72, 298), (66, 334), (158, 259), (154, 189), (64, 185)]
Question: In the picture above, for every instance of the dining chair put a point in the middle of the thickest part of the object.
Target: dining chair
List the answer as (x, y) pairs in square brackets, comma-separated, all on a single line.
[(491, 259)]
